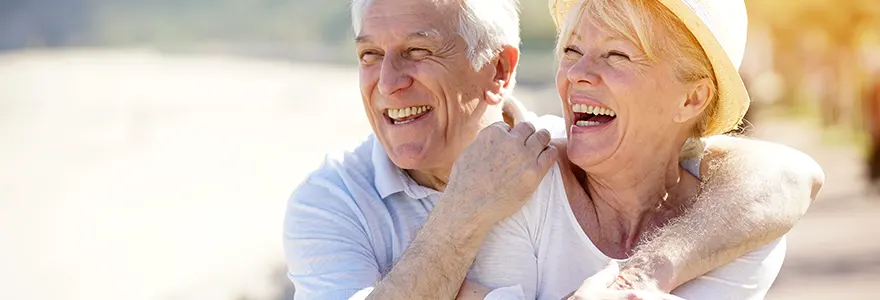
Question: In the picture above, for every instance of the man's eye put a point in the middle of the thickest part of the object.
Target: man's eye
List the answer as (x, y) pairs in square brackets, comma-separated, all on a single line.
[(418, 53), (369, 57)]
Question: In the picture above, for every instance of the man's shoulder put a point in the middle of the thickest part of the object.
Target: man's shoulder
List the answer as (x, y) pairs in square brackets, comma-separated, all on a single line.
[(339, 174)]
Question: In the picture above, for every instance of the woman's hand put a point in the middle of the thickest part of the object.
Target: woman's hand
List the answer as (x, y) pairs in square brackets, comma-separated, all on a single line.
[(601, 287)]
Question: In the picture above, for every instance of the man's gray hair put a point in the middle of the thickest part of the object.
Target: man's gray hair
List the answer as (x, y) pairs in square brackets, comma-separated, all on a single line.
[(485, 25)]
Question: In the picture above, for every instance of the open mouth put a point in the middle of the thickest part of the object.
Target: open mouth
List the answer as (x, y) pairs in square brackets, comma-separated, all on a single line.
[(400, 116), (591, 116)]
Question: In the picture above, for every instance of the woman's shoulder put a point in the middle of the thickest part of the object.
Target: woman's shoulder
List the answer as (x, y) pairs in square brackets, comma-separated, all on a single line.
[(549, 192), (562, 161)]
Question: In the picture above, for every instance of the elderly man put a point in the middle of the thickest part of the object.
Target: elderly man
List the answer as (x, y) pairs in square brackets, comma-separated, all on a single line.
[(403, 215)]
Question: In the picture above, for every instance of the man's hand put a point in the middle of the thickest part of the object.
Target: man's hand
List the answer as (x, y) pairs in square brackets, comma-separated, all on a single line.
[(602, 287), (501, 169)]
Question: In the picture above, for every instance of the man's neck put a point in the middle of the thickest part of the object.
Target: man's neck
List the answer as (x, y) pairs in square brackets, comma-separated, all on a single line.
[(435, 179), (512, 112)]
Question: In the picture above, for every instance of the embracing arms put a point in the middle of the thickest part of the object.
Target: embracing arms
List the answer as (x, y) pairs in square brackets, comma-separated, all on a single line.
[(753, 193)]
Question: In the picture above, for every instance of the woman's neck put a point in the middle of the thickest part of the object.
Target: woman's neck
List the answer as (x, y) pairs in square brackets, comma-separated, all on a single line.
[(633, 200)]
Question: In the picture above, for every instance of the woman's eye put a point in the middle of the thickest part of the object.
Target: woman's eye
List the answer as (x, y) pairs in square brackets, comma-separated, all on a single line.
[(618, 54), (570, 50)]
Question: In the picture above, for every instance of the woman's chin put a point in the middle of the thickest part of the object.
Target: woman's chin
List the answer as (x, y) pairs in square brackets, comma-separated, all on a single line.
[(588, 154)]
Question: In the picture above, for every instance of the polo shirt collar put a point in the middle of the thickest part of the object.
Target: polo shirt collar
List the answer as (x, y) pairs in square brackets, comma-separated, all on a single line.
[(391, 179)]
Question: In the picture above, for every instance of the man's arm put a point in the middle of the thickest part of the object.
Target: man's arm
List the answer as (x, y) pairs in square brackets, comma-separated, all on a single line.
[(490, 181), (438, 259), (329, 252), (753, 193), (330, 255)]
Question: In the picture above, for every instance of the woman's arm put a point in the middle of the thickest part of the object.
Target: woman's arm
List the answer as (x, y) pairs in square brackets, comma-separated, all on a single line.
[(753, 193)]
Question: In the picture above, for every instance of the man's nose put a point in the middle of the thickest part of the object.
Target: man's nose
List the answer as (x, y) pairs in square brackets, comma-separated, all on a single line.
[(391, 78)]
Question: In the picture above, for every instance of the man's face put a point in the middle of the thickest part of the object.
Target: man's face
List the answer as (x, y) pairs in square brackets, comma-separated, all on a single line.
[(421, 94)]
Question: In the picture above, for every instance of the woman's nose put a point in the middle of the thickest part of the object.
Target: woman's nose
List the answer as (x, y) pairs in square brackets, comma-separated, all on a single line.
[(583, 72)]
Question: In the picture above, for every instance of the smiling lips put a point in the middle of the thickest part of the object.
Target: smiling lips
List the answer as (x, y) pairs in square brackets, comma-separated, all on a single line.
[(589, 116), (401, 116)]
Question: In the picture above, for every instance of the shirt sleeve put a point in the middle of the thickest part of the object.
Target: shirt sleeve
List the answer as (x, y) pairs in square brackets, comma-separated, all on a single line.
[(507, 262), (506, 293), (748, 277), (508, 259), (326, 247)]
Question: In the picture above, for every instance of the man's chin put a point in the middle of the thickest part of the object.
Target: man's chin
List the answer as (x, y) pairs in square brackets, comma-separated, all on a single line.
[(408, 162)]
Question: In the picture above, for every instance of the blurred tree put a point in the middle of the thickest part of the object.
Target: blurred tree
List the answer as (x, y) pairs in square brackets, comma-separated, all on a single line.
[(46, 23), (818, 50)]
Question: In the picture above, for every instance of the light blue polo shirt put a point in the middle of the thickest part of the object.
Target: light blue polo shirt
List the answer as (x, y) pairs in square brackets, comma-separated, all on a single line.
[(353, 217)]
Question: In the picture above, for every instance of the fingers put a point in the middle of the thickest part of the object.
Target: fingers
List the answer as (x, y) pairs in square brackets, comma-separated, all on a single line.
[(604, 278), (502, 125), (496, 129), (547, 158), (596, 287), (523, 131), (538, 140)]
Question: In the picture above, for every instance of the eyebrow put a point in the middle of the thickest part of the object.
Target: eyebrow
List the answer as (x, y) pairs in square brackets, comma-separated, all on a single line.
[(576, 36), (423, 34)]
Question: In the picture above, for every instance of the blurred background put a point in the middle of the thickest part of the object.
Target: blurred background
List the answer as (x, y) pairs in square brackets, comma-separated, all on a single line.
[(149, 147)]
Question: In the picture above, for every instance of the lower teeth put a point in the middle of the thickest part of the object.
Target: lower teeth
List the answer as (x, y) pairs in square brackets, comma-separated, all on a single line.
[(587, 123), (403, 122)]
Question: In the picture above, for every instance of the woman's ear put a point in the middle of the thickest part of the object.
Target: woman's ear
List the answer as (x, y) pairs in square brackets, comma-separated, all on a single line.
[(696, 101), (503, 80)]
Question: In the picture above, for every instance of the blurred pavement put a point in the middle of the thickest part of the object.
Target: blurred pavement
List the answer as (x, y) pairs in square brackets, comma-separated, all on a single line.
[(832, 253)]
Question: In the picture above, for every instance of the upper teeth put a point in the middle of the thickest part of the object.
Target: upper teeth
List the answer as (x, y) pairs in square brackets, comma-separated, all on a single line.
[(589, 109), (400, 113)]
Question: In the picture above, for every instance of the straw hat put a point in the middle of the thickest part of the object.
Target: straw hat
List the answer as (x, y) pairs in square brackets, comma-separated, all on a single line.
[(720, 26)]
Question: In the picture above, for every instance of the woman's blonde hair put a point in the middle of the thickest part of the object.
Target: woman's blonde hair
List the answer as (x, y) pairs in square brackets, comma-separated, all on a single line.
[(657, 32)]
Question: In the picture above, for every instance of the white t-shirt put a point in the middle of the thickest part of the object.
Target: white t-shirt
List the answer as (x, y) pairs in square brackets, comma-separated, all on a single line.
[(542, 251)]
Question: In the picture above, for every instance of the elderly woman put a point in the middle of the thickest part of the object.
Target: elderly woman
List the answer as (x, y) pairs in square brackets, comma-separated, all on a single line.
[(639, 81)]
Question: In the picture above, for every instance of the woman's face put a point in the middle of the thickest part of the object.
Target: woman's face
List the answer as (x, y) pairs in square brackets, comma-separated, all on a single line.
[(618, 104)]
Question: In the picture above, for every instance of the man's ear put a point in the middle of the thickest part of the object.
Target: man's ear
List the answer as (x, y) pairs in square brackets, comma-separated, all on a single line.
[(503, 80), (696, 101)]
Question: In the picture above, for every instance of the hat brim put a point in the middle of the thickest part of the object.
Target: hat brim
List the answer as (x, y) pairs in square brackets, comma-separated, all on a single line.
[(733, 98)]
